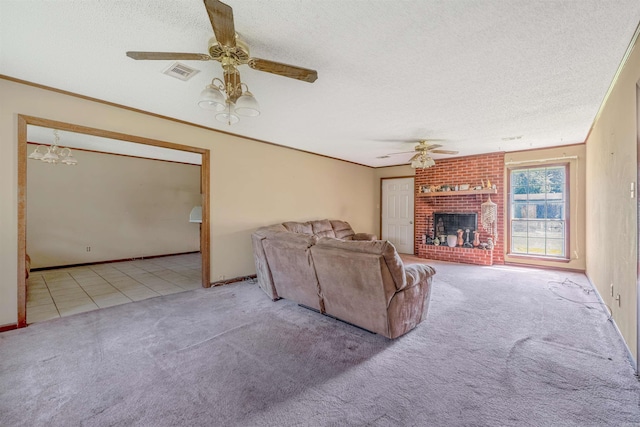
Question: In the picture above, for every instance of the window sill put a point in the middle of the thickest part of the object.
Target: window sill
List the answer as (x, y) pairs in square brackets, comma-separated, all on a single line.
[(521, 257)]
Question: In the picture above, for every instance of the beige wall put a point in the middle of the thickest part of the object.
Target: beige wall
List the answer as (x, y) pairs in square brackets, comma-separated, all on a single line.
[(252, 184), (612, 235), (121, 207), (577, 200)]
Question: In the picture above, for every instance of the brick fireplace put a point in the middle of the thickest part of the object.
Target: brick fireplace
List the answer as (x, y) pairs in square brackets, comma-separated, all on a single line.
[(472, 170)]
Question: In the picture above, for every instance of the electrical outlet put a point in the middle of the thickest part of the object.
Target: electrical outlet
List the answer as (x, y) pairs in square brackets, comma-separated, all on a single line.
[(612, 289), (618, 299), (88, 248)]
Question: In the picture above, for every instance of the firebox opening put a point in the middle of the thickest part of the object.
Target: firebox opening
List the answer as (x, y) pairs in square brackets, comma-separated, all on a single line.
[(445, 223)]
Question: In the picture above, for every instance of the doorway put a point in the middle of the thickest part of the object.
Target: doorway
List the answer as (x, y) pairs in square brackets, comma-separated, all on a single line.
[(25, 121), (397, 224)]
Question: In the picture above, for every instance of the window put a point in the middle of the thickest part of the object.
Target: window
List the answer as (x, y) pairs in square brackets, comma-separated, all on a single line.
[(538, 208)]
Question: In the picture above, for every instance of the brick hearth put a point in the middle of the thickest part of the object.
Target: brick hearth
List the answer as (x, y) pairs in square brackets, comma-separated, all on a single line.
[(462, 170)]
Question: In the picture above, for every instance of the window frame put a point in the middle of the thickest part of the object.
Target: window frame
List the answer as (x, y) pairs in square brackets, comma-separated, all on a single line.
[(567, 209)]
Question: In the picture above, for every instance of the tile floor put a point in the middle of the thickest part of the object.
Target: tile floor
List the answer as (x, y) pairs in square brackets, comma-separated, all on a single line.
[(65, 291)]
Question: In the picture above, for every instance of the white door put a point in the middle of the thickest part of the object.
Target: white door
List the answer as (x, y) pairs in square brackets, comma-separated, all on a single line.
[(397, 213)]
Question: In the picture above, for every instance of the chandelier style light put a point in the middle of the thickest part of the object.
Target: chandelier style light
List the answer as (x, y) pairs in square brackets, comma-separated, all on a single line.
[(422, 161), (54, 153), (229, 100)]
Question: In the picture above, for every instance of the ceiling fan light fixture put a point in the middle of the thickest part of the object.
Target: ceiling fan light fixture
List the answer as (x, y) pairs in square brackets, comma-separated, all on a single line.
[(247, 105), (423, 161), (430, 162), (228, 116), (212, 99)]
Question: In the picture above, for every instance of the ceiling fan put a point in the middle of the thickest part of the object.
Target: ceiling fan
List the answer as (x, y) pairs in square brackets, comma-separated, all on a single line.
[(421, 159), (228, 49)]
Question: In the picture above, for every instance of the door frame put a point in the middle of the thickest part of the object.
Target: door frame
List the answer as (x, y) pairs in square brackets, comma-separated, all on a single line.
[(414, 206), (637, 227), (23, 121)]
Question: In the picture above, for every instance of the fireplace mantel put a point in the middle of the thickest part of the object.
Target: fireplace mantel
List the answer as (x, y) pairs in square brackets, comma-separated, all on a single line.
[(458, 193)]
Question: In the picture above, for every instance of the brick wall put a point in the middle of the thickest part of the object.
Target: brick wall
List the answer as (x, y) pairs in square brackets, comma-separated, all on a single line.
[(462, 170)]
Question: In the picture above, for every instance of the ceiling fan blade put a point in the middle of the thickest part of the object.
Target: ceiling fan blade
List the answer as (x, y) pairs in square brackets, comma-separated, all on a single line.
[(444, 151), (430, 146), (221, 17), (415, 157), (285, 70), (402, 152), (169, 55)]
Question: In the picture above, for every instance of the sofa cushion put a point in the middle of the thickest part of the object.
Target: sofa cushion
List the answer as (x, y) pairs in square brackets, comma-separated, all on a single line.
[(342, 230), (298, 227), (294, 240), (379, 247), (323, 228), (270, 230)]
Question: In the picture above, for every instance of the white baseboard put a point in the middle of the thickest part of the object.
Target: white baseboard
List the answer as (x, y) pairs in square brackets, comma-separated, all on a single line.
[(632, 360)]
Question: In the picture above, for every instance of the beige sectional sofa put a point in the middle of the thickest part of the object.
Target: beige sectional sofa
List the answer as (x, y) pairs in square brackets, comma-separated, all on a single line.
[(326, 266)]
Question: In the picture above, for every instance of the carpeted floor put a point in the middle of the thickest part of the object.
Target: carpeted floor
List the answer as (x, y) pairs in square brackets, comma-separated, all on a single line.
[(501, 346)]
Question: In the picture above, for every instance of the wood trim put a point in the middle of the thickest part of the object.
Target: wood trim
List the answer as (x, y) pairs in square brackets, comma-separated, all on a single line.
[(22, 221), (543, 267), (391, 166), (119, 154), (9, 327), (234, 280), (23, 121), (567, 191), (537, 258), (205, 226), (136, 110), (544, 148), (457, 193), (108, 134)]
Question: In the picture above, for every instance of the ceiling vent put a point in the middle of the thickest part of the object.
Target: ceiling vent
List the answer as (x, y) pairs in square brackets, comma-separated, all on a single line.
[(180, 71)]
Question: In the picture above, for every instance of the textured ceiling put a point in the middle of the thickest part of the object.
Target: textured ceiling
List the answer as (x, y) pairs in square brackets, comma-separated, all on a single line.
[(475, 74)]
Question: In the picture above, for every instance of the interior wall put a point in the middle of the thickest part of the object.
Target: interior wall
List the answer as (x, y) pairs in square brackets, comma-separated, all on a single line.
[(611, 212), (252, 183), (577, 201), (118, 206)]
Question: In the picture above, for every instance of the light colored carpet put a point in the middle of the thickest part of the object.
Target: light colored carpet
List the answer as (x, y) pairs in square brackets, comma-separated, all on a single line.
[(501, 347)]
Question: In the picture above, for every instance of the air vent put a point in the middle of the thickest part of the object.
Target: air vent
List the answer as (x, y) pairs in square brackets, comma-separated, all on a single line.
[(512, 138), (180, 71)]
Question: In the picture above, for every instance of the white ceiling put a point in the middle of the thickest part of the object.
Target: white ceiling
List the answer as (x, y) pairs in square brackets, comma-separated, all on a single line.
[(470, 72)]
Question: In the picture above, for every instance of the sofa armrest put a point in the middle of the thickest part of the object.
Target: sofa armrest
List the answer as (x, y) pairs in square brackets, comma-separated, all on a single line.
[(364, 236), (416, 273)]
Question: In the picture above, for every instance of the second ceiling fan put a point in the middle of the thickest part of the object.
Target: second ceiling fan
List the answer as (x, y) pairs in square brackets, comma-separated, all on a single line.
[(421, 159), (231, 52)]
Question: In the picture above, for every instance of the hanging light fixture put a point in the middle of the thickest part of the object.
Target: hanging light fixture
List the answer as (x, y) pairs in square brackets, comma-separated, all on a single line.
[(422, 161), (54, 153), (229, 100)]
